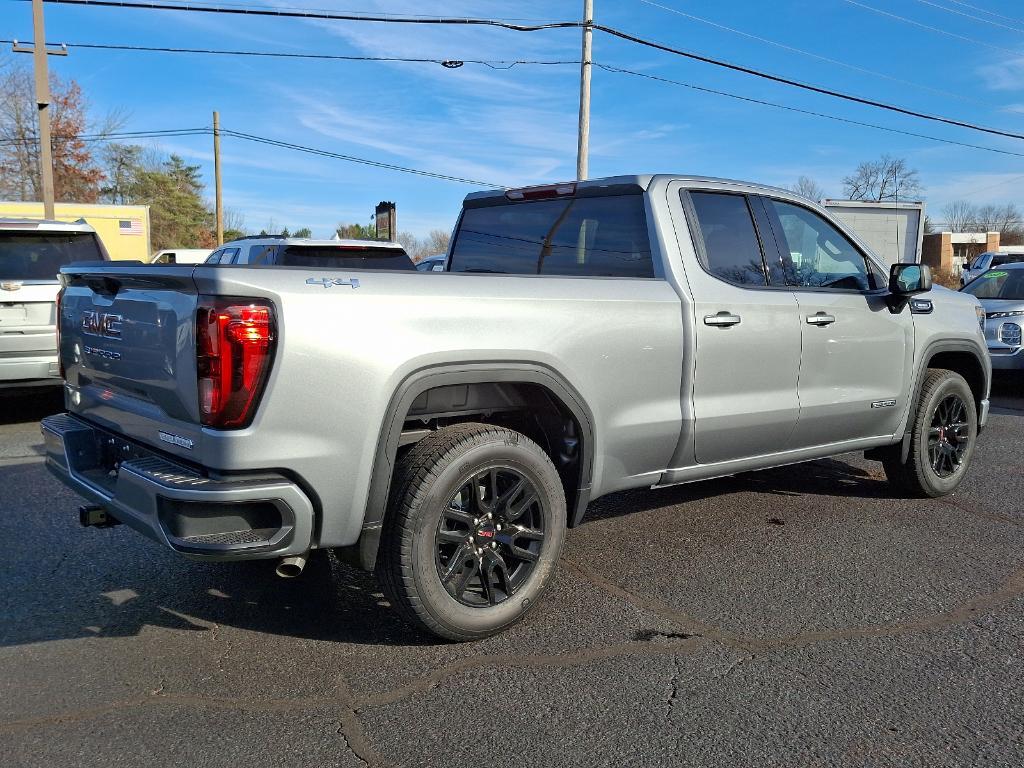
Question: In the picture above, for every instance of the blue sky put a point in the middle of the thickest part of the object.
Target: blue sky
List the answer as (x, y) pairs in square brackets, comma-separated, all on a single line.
[(518, 126)]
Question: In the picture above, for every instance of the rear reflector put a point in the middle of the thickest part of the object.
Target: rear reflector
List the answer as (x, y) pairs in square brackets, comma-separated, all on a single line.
[(235, 341), (542, 193), (60, 357)]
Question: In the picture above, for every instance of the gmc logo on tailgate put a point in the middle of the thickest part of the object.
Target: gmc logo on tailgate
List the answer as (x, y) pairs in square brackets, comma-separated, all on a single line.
[(101, 324)]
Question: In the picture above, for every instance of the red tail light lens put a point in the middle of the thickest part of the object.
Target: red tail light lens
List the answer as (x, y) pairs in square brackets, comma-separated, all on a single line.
[(235, 341), (60, 357)]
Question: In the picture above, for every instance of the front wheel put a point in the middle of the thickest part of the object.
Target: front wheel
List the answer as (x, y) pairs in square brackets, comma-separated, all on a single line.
[(942, 439), (474, 528)]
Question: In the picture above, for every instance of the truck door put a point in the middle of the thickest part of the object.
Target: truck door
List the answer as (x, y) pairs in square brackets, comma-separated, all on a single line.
[(747, 331), (856, 355)]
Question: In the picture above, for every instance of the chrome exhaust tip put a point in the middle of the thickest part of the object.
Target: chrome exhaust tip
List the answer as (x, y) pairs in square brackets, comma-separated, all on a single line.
[(290, 567)]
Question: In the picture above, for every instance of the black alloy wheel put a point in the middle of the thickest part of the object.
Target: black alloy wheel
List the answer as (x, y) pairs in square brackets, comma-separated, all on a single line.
[(948, 436), (489, 536)]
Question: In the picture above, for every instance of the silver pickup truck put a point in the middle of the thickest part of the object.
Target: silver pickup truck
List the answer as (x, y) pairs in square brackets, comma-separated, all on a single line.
[(446, 428)]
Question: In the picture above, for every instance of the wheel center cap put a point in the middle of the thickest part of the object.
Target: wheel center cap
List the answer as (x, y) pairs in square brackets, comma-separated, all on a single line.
[(485, 531)]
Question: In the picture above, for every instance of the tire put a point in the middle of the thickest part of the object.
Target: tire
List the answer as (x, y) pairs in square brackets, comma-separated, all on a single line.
[(926, 473), (436, 531)]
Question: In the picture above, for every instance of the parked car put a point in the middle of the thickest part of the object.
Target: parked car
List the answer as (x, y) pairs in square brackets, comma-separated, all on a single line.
[(434, 263), (1001, 292), (306, 252), (31, 255), (589, 337), (181, 256), (989, 260)]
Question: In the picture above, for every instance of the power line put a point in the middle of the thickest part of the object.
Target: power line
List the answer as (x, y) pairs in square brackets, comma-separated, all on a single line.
[(971, 16), (93, 137), (806, 86), (788, 108), (989, 13), (175, 132), (973, 192), (333, 16), (904, 19), (493, 63), (353, 159), (819, 57), (611, 31)]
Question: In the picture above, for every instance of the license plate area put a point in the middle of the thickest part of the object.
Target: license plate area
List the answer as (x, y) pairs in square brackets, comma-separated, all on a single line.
[(13, 314), (96, 456)]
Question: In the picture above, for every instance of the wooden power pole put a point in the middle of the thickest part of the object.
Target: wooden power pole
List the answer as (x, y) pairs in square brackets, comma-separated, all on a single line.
[(216, 177), (583, 147), (39, 53)]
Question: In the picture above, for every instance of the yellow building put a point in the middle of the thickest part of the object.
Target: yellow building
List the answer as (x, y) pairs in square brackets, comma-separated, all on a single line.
[(124, 229)]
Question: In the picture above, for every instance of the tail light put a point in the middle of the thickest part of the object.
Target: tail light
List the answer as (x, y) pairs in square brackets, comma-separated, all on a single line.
[(60, 357), (235, 341)]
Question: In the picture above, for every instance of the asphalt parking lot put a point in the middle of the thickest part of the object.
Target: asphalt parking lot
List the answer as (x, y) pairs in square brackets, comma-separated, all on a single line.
[(796, 617)]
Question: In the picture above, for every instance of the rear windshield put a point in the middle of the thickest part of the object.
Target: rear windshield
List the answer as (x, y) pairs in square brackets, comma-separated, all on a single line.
[(1007, 258), (344, 257), (38, 256), (998, 284), (585, 236)]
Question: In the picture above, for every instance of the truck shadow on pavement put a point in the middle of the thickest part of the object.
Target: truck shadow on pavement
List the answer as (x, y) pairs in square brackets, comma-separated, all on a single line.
[(73, 583), (30, 404)]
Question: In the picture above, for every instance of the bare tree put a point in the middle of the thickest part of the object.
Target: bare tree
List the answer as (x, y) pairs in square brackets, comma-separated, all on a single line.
[(809, 188), (437, 241), (888, 178), (411, 244), (1004, 219), (959, 216)]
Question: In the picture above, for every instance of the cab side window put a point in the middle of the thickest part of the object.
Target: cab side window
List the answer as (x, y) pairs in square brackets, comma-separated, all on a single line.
[(821, 256), (262, 254), (732, 250), (214, 258)]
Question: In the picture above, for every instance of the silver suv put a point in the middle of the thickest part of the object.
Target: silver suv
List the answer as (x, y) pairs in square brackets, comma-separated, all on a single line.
[(31, 255), (306, 252)]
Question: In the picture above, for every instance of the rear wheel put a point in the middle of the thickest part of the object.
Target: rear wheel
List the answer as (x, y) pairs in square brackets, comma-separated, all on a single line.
[(942, 439), (474, 529)]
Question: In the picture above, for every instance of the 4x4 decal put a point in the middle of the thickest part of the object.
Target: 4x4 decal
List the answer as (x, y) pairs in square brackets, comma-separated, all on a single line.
[(328, 282)]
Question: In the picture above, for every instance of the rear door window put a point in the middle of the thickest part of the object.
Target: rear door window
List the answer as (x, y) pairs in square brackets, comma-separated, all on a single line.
[(577, 236), (344, 257), (731, 248), (36, 256)]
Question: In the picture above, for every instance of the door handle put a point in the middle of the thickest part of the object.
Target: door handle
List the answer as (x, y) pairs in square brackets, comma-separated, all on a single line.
[(722, 320), (820, 318)]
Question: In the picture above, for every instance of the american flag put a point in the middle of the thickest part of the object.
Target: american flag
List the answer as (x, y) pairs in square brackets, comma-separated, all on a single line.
[(129, 226)]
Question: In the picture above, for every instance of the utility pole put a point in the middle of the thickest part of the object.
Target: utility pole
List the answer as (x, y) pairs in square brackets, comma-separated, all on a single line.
[(583, 147), (42, 76), (216, 176)]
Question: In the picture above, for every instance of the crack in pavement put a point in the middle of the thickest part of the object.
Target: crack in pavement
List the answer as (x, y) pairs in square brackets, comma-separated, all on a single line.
[(1011, 587)]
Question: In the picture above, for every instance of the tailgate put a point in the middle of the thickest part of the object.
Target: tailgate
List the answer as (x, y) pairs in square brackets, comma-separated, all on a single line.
[(127, 341), (27, 317)]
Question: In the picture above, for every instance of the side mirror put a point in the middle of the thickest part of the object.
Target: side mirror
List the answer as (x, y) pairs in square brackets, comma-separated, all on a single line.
[(908, 279)]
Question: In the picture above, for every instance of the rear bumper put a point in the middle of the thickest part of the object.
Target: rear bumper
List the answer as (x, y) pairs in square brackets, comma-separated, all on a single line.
[(40, 368), (236, 517)]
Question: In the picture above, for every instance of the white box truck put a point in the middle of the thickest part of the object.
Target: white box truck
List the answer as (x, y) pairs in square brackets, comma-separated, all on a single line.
[(893, 230)]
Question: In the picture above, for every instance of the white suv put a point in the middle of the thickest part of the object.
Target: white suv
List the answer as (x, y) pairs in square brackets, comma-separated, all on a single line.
[(31, 254)]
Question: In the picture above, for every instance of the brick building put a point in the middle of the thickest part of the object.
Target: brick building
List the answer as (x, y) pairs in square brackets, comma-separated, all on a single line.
[(949, 252)]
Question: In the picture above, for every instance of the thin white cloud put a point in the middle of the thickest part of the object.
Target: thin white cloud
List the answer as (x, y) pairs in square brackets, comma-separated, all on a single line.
[(1006, 75)]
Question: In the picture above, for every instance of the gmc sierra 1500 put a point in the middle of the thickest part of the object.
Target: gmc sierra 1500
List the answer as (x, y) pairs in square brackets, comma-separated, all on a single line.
[(445, 428)]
